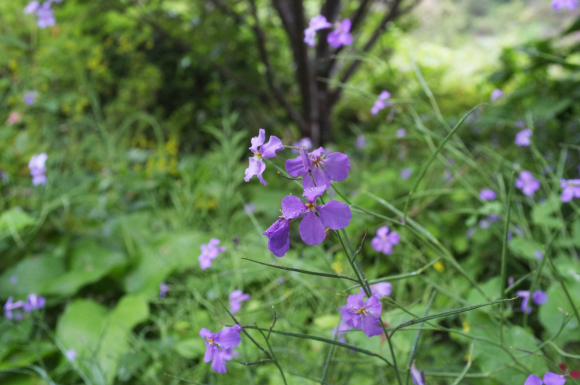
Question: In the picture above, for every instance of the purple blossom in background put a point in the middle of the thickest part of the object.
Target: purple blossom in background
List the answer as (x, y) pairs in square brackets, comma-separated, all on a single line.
[(417, 375), (11, 305), (33, 302), (304, 142), (249, 209), (406, 173), (262, 151), (448, 175), (487, 195), (517, 230), (568, 4), (361, 142), (527, 183), (44, 15), (539, 255), (380, 103), (30, 97), (549, 379), (381, 289), (484, 224), (570, 189), (163, 289), (318, 22), (493, 218), (496, 94), (236, 298), (219, 346), (325, 169), (71, 355), (341, 34), (384, 241), (539, 297), (13, 280), (511, 281), (209, 252), (401, 133), (358, 314), (523, 137), (37, 168)]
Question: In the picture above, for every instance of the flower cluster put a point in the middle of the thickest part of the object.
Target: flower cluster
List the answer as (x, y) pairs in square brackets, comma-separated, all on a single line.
[(567, 4), (527, 183), (219, 346), (37, 168), (539, 297), (381, 102), (337, 38), (33, 302), (209, 252), (44, 16), (549, 379), (262, 151)]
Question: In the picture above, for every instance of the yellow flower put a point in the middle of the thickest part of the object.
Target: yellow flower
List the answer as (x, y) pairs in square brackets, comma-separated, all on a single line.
[(466, 328), (439, 266)]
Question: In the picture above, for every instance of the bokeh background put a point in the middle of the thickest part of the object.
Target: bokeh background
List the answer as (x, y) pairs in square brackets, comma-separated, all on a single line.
[(146, 109)]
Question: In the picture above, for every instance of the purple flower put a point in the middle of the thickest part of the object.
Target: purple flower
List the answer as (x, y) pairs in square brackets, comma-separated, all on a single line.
[(341, 34), (13, 280), (417, 375), (31, 7), (384, 241), (380, 103), (265, 151), (358, 314), (406, 173), (493, 218), (11, 305), (487, 195), (568, 4), (571, 189), (164, 288), (30, 97), (71, 355), (249, 209), (279, 236), (236, 298), (539, 297), (316, 23), (483, 224), (361, 142), (539, 255), (209, 252), (496, 94), (37, 168), (549, 379), (523, 137), (33, 302), (401, 133), (44, 16), (527, 183), (381, 289), (334, 167), (304, 142), (219, 346), (334, 215)]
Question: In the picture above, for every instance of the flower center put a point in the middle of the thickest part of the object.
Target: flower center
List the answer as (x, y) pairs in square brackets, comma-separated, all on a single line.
[(257, 155), (361, 311), (318, 161), (210, 341), (311, 206)]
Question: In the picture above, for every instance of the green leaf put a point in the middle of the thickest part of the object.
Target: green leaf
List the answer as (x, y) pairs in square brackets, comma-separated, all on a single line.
[(551, 313), (524, 247), (543, 214), (34, 275), (190, 348), (15, 220)]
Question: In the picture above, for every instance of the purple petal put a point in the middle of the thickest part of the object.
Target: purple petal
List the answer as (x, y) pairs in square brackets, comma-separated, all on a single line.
[(228, 338), (292, 207), (384, 95), (383, 231), (355, 300), (533, 380), (256, 167), (377, 244), (279, 237), (320, 178), (334, 215), (295, 167), (219, 364), (306, 162), (204, 262), (418, 376), (31, 7), (337, 166), (309, 35), (539, 297), (553, 379), (312, 193), (319, 22), (526, 296), (394, 238), (373, 306), (371, 326), (382, 289), (257, 141), (269, 149), (312, 230)]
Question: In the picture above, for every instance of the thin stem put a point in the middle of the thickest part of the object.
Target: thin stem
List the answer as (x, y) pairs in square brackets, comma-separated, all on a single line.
[(504, 257)]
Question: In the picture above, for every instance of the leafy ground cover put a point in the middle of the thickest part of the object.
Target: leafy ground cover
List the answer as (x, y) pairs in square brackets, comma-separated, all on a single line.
[(108, 241)]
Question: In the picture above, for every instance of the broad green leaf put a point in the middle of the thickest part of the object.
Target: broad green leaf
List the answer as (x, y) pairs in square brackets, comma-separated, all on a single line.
[(542, 214), (15, 220), (551, 313), (34, 275)]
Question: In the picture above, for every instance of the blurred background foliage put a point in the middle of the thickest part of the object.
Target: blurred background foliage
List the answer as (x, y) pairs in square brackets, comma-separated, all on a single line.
[(145, 110)]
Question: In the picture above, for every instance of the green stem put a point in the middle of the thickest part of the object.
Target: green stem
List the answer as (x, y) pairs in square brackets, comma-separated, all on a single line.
[(301, 271), (504, 257)]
